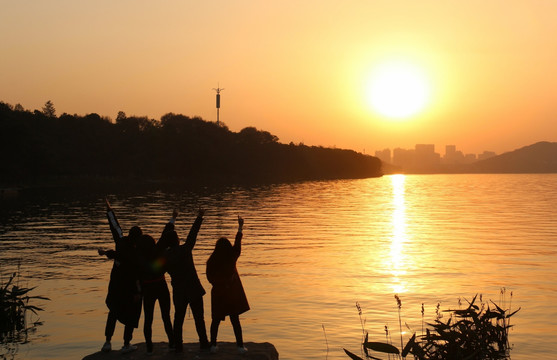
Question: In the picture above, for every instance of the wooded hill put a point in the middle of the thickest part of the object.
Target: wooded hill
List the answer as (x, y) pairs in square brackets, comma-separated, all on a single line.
[(40, 146), (540, 157)]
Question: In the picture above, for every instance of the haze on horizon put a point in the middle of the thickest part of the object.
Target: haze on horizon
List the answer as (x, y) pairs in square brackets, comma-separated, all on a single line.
[(298, 69)]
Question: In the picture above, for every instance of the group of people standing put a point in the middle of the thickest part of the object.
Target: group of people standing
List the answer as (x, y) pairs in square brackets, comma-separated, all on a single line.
[(138, 278)]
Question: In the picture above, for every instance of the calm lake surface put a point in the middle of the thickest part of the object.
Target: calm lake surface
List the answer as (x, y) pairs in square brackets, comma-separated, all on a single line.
[(311, 251)]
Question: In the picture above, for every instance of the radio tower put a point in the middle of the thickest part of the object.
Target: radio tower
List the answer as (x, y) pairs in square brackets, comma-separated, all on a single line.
[(218, 90)]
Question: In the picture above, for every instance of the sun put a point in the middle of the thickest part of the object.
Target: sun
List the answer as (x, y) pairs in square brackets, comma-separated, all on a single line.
[(398, 90)]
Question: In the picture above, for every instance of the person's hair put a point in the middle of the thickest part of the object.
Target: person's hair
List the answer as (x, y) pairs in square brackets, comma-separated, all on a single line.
[(221, 261), (223, 246), (135, 232), (169, 239)]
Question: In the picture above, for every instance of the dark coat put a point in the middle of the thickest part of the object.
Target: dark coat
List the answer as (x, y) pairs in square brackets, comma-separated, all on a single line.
[(151, 259), (124, 291), (182, 268), (227, 295)]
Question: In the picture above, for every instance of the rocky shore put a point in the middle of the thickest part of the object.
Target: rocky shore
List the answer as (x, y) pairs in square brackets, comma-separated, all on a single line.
[(226, 351)]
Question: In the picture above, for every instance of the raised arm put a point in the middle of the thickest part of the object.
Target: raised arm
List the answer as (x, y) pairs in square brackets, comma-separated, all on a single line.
[(170, 224), (192, 235), (115, 228), (238, 240)]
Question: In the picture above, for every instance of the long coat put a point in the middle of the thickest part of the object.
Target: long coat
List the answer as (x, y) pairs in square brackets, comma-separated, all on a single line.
[(227, 295), (124, 292)]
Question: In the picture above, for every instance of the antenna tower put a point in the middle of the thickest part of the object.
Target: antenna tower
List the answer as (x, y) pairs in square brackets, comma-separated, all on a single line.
[(218, 90)]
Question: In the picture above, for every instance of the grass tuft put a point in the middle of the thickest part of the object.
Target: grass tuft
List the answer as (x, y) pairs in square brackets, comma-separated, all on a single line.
[(479, 331), (15, 324)]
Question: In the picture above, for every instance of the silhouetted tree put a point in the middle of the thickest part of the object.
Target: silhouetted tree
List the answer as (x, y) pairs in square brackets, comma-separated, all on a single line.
[(5, 108), (252, 135), (120, 117), (135, 123), (49, 110), (174, 122), (39, 145)]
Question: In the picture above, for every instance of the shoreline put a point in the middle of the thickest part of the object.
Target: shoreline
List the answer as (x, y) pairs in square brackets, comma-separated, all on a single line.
[(226, 351)]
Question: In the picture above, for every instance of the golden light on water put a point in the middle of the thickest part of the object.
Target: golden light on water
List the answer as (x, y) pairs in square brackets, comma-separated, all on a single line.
[(319, 247), (398, 237)]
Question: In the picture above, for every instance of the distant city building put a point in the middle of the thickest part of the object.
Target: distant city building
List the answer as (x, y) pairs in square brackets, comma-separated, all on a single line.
[(450, 151), (384, 155), (403, 158), (470, 158), (452, 156), (486, 155), (424, 158), (424, 148)]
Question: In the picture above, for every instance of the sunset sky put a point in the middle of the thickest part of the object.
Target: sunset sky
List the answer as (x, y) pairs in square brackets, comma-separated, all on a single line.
[(301, 70)]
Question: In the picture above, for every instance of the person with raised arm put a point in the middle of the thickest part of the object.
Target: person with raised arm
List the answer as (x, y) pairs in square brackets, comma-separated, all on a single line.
[(227, 295), (186, 286), (153, 283), (124, 289)]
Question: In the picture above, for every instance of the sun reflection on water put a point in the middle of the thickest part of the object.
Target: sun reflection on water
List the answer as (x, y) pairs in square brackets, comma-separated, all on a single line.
[(398, 237)]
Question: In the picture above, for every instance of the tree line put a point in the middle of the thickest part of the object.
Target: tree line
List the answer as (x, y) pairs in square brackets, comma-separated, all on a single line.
[(39, 145)]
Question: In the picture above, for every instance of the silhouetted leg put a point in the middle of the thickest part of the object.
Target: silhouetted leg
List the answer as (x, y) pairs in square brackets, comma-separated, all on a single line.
[(148, 309), (180, 306), (128, 334), (164, 304), (110, 326), (235, 320), (198, 316), (214, 331)]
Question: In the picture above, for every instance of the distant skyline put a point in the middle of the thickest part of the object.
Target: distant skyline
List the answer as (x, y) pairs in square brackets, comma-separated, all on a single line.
[(441, 149), (300, 70)]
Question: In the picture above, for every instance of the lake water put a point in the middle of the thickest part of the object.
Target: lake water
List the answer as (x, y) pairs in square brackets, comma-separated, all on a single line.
[(311, 251)]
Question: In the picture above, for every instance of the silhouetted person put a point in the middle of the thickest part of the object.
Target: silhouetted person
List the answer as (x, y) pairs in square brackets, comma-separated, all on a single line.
[(227, 295), (186, 287), (153, 284), (124, 290)]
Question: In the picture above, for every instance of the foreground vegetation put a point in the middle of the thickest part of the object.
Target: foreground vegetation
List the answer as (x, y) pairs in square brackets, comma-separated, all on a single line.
[(478, 332), (15, 324), (40, 145)]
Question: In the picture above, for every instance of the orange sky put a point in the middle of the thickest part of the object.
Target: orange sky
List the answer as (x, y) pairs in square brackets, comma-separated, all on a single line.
[(295, 68)]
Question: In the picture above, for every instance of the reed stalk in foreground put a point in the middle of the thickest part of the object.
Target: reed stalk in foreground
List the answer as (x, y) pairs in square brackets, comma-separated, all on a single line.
[(475, 333), (399, 305), (326, 341), (14, 307)]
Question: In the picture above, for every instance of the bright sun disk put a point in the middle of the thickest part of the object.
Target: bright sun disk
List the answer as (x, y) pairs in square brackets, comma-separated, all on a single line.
[(398, 90)]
